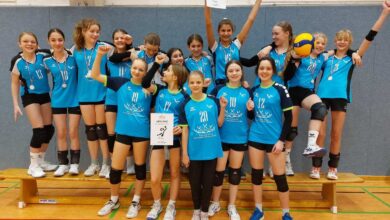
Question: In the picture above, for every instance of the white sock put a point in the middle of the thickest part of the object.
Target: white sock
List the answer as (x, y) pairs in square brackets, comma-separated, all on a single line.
[(259, 206), (34, 159), (312, 137), (285, 211), (114, 198), (136, 198), (42, 156), (157, 202)]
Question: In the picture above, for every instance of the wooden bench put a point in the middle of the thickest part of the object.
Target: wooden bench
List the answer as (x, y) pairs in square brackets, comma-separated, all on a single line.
[(28, 193)]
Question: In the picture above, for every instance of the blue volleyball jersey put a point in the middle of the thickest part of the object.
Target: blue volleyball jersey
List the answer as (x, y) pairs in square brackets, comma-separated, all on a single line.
[(133, 117), (88, 89), (169, 102), (64, 92), (307, 72), (222, 55), (235, 126), (279, 63), (336, 78), (121, 69), (33, 75), (270, 103), (201, 116), (150, 60), (203, 65)]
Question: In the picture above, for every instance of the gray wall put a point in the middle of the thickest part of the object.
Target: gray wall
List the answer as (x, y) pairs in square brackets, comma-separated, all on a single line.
[(365, 147)]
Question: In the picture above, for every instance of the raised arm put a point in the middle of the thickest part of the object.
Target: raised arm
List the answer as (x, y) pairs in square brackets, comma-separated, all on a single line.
[(95, 72), (249, 22), (374, 30), (209, 25)]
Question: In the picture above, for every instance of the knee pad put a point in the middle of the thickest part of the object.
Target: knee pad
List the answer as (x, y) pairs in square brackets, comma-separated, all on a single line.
[(257, 176), (101, 131), (140, 171), (318, 111), (110, 142), (333, 160), (218, 178), (292, 134), (90, 130), (234, 176), (281, 183), (38, 137), (316, 161), (49, 132), (115, 176)]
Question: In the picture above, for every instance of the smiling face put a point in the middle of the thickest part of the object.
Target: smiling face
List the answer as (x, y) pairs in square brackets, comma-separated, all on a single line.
[(56, 42), (138, 69), (279, 36), (119, 40), (195, 82), (343, 40), (265, 71), (319, 44), (234, 73), (91, 34), (28, 43), (196, 48), (225, 32), (177, 57)]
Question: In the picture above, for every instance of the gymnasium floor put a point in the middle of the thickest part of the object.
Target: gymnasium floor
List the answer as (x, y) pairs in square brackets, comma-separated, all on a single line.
[(368, 200)]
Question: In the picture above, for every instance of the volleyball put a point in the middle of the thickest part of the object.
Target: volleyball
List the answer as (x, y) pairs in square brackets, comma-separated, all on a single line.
[(303, 44)]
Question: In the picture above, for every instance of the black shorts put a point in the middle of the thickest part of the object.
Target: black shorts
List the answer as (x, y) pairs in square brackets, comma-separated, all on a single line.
[(128, 140), (111, 108), (92, 103), (32, 98), (71, 110), (337, 105), (176, 144), (260, 146), (298, 94), (235, 147)]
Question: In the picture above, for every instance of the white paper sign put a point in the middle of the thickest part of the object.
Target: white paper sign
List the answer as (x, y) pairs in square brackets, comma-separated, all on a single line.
[(221, 4), (161, 129)]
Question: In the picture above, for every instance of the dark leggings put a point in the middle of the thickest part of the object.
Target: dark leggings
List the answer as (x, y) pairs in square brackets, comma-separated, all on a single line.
[(201, 174)]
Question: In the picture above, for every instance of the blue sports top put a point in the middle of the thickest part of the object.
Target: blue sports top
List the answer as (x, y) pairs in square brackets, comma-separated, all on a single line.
[(150, 60), (204, 66), (121, 69), (235, 126), (270, 103), (222, 55), (33, 75), (279, 62), (201, 116), (64, 93), (307, 72)]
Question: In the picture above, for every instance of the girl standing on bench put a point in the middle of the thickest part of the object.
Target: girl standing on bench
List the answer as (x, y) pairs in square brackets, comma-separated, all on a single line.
[(62, 65), (29, 80), (267, 135), (334, 88), (132, 128), (91, 93)]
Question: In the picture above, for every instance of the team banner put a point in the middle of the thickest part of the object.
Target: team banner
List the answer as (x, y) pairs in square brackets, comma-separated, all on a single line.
[(221, 4)]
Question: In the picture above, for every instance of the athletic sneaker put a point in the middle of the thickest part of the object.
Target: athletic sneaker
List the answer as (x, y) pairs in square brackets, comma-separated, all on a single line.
[(214, 208), (108, 207), (315, 173), (46, 166), (196, 214), (104, 171), (232, 212), (170, 212), (287, 216), (133, 210), (270, 173), (314, 151), (36, 171), (289, 169), (204, 216), (257, 215), (74, 169), (91, 170), (154, 212), (332, 174), (62, 169)]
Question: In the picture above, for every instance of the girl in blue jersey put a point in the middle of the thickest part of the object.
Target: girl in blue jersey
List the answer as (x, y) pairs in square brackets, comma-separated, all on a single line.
[(29, 80), (267, 134), (234, 136), (200, 117), (121, 40), (62, 65), (132, 128), (168, 100), (334, 87), (197, 61), (226, 49), (91, 94)]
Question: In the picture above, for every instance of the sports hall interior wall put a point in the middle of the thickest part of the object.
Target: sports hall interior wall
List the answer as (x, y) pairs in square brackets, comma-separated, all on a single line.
[(365, 142)]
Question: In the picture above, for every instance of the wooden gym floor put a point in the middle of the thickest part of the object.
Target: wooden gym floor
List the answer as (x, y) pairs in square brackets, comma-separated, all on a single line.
[(368, 200)]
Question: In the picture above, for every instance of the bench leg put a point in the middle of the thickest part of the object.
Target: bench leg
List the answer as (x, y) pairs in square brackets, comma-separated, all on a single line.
[(329, 194), (28, 189)]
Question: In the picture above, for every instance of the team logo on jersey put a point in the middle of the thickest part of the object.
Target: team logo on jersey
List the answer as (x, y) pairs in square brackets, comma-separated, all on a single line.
[(242, 94), (192, 109), (209, 106), (176, 101), (129, 88), (161, 95), (70, 67), (53, 65), (270, 96)]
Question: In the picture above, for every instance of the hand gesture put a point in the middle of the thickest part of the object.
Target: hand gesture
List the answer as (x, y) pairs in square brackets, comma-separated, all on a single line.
[(245, 84), (207, 82), (103, 49), (386, 6), (356, 59), (223, 102), (185, 160), (177, 130), (160, 58), (264, 52), (250, 105), (17, 112), (128, 39), (278, 147)]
